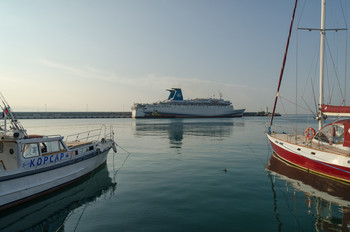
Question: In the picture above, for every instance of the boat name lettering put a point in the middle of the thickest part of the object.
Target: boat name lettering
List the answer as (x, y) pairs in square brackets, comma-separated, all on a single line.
[(35, 162)]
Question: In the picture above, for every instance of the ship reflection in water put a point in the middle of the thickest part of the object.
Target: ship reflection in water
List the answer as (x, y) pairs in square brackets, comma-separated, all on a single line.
[(329, 200), (176, 129), (49, 212)]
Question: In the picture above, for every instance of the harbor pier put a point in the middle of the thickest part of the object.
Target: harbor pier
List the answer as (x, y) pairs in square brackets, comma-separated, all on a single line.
[(66, 115)]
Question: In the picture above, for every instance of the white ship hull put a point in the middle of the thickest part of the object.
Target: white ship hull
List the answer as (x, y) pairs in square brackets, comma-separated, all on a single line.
[(185, 111)]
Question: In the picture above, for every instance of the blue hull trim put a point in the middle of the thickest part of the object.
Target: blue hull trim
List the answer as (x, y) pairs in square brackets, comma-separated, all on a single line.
[(45, 169)]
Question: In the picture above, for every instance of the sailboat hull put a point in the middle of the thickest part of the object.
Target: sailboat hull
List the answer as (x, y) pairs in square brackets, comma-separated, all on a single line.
[(325, 163)]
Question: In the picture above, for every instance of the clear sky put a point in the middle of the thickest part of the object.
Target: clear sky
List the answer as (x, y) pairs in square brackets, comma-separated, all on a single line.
[(105, 55)]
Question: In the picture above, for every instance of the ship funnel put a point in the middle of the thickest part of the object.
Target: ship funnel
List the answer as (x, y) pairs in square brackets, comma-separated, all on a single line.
[(171, 95), (175, 94)]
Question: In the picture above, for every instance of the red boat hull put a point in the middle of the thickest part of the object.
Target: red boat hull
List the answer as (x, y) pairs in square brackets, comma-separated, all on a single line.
[(325, 169)]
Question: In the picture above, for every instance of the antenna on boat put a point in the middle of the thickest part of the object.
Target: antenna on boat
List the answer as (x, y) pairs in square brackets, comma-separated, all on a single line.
[(220, 95), (8, 112)]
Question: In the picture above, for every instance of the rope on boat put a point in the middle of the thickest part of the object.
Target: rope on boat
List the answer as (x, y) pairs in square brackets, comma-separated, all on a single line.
[(298, 105), (288, 118), (122, 149), (71, 212), (126, 158), (85, 206), (80, 199)]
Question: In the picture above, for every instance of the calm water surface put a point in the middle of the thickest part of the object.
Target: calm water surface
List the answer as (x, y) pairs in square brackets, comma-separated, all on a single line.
[(186, 175)]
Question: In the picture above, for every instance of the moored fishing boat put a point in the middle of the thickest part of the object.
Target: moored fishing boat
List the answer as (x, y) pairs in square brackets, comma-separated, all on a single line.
[(34, 165), (176, 107), (326, 151)]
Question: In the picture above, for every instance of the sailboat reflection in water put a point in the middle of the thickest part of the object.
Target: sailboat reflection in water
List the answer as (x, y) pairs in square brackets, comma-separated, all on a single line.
[(327, 199)]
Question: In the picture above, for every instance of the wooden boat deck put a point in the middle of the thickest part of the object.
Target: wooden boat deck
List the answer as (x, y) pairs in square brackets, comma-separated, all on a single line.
[(74, 144)]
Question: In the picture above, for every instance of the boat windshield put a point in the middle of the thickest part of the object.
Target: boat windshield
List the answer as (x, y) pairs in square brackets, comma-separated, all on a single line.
[(30, 150), (332, 134)]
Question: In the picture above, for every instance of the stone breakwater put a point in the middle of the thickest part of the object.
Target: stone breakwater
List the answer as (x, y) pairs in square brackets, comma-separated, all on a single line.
[(64, 115)]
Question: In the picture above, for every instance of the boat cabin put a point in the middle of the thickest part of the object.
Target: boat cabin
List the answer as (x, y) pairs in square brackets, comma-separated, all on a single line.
[(31, 151), (39, 151), (336, 134)]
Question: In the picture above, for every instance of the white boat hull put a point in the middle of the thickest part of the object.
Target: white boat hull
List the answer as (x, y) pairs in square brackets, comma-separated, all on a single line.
[(30, 185)]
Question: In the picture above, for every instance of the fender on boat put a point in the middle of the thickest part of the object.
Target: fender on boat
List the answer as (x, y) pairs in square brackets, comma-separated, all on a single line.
[(114, 147)]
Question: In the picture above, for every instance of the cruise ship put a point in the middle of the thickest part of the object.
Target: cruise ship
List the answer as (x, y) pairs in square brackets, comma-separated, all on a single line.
[(176, 107)]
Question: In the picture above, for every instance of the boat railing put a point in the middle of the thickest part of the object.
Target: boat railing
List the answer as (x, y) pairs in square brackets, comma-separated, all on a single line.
[(95, 134), (281, 129), (290, 133), (108, 134)]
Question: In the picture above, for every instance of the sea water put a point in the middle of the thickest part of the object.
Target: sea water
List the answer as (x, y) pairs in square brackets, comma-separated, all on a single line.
[(185, 175)]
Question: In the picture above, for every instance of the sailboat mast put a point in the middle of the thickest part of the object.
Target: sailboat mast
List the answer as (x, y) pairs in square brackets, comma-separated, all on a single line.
[(322, 43), (284, 62)]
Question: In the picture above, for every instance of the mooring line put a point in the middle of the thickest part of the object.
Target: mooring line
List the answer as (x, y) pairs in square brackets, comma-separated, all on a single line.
[(123, 148), (126, 158), (114, 180), (84, 208), (80, 200)]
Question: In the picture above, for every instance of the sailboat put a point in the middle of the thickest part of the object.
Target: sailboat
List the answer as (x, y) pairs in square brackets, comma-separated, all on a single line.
[(326, 151)]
